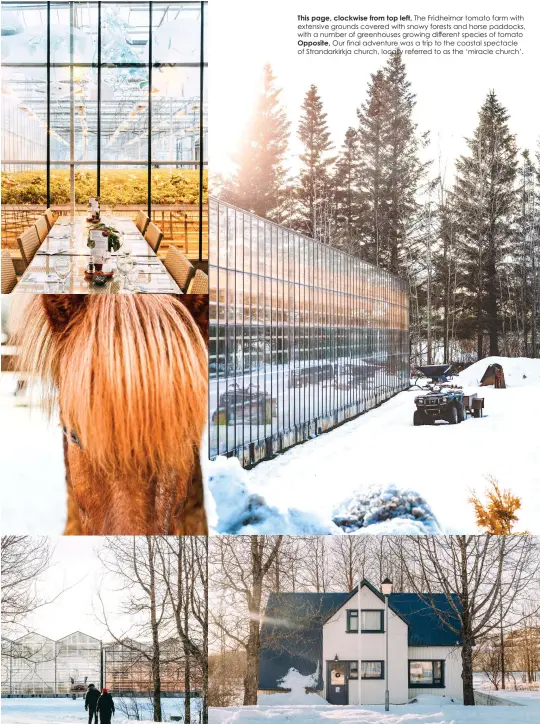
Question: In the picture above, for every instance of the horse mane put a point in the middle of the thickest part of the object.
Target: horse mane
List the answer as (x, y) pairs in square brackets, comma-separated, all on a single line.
[(129, 374)]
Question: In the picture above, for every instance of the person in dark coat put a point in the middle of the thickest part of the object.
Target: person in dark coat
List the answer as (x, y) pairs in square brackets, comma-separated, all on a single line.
[(105, 707), (90, 703)]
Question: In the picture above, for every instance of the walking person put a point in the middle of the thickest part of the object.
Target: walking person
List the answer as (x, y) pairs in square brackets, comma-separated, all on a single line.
[(105, 707), (90, 703)]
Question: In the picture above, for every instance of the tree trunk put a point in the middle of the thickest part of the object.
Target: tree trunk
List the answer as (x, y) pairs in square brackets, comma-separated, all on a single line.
[(467, 673), (251, 680), (156, 654), (187, 689)]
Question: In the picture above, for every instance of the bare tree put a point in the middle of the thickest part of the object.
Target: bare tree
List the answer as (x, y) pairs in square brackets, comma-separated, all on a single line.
[(135, 562), (349, 553), (184, 571), (240, 577), (485, 581), (24, 560), (315, 573)]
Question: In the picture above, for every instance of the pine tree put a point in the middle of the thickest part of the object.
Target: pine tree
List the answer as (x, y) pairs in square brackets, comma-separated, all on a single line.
[(485, 202), (258, 184), (404, 169), (314, 193), (349, 207), (372, 119), (391, 171)]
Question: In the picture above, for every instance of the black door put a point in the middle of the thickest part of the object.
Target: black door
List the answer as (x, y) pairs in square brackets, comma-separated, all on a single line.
[(337, 683)]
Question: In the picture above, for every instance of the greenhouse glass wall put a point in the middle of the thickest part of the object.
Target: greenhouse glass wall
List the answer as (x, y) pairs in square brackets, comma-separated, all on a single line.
[(35, 665), (302, 336), (106, 99)]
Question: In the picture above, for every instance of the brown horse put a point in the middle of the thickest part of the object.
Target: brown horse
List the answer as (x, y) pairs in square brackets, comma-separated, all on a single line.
[(129, 377)]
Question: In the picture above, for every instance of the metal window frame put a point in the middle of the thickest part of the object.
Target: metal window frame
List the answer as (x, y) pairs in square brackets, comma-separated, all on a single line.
[(321, 317), (201, 163)]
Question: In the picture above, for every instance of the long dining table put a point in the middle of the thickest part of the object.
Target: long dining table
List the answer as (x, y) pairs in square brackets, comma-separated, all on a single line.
[(69, 237)]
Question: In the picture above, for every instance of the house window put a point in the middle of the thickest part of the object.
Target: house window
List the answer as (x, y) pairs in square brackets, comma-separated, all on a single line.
[(426, 674), (372, 669), (353, 669), (372, 621), (352, 621)]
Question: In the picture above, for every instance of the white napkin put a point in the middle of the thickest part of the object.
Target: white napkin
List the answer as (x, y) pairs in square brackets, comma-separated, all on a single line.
[(40, 277)]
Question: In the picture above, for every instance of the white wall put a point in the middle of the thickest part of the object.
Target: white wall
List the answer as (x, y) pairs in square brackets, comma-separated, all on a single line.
[(369, 647), (451, 655)]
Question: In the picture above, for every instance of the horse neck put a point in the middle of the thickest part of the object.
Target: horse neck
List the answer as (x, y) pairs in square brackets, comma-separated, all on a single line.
[(124, 504)]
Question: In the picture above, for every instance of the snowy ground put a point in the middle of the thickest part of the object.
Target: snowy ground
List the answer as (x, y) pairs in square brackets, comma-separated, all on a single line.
[(428, 710), (301, 708), (304, 487), (33, 496), (46, 711)]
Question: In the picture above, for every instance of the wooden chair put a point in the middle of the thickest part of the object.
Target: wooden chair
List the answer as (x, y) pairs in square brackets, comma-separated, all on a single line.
[(50, 218), (29, 243), (42, 228), (142, 221), (199, 283), (9, 277), (179, 267), (153, 236)]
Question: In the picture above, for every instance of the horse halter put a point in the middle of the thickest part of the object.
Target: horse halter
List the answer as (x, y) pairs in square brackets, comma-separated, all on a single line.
[(72, 437)]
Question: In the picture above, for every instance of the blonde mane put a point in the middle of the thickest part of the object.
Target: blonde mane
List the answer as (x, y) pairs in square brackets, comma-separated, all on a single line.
[(129, 374)]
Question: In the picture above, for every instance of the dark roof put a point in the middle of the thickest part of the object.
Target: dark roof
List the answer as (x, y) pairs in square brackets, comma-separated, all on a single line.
[(291, 632), (425, 626)]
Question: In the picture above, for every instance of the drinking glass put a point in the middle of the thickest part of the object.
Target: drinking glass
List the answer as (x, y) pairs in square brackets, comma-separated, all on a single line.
[(62, 267), (125, 264)]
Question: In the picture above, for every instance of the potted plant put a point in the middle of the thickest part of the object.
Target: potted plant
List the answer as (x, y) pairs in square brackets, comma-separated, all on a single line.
[(112, 235)]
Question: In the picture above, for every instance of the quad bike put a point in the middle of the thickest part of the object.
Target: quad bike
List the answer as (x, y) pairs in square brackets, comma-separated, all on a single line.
[(443, 400)]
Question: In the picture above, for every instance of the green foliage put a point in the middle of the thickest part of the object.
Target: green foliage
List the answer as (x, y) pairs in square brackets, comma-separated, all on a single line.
[(119, 187)]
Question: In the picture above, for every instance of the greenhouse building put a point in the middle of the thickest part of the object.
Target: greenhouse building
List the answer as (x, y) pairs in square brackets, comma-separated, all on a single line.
[(302, 335), (35, 665)]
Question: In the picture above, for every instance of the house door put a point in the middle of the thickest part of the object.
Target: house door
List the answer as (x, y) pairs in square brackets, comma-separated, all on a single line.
[(337, 683)]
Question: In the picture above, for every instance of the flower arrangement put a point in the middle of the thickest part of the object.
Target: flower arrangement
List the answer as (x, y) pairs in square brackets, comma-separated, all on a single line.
[(112, 234)]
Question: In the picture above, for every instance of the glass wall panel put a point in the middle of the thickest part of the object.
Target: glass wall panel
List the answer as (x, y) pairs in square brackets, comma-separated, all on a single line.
[(302, 336), (117, 85), (35, 665)]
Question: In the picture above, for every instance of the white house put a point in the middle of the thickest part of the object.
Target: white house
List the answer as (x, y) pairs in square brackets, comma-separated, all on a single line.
[(342, 636)]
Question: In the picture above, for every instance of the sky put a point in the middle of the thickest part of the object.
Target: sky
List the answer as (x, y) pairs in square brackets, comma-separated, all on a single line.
[(77, 571), (244, 35)]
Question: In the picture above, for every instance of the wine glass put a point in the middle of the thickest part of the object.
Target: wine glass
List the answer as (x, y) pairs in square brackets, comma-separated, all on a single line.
[(62, 267), (125, 264), (125, 244)]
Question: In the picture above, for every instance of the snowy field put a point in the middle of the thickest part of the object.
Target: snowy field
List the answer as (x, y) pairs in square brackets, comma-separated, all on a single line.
[(303, 488), (46, 711)]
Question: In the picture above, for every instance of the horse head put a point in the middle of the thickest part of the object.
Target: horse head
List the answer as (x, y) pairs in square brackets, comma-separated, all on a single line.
[(128, 375)]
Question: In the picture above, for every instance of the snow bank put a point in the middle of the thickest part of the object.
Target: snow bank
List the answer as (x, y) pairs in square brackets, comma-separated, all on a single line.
[(233, 509), (392, 510), (518, 371), (297, 683)]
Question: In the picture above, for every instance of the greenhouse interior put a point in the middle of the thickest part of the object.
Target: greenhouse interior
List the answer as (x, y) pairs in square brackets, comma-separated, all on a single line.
[(106, 100), (302, 336), (35, 665)]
